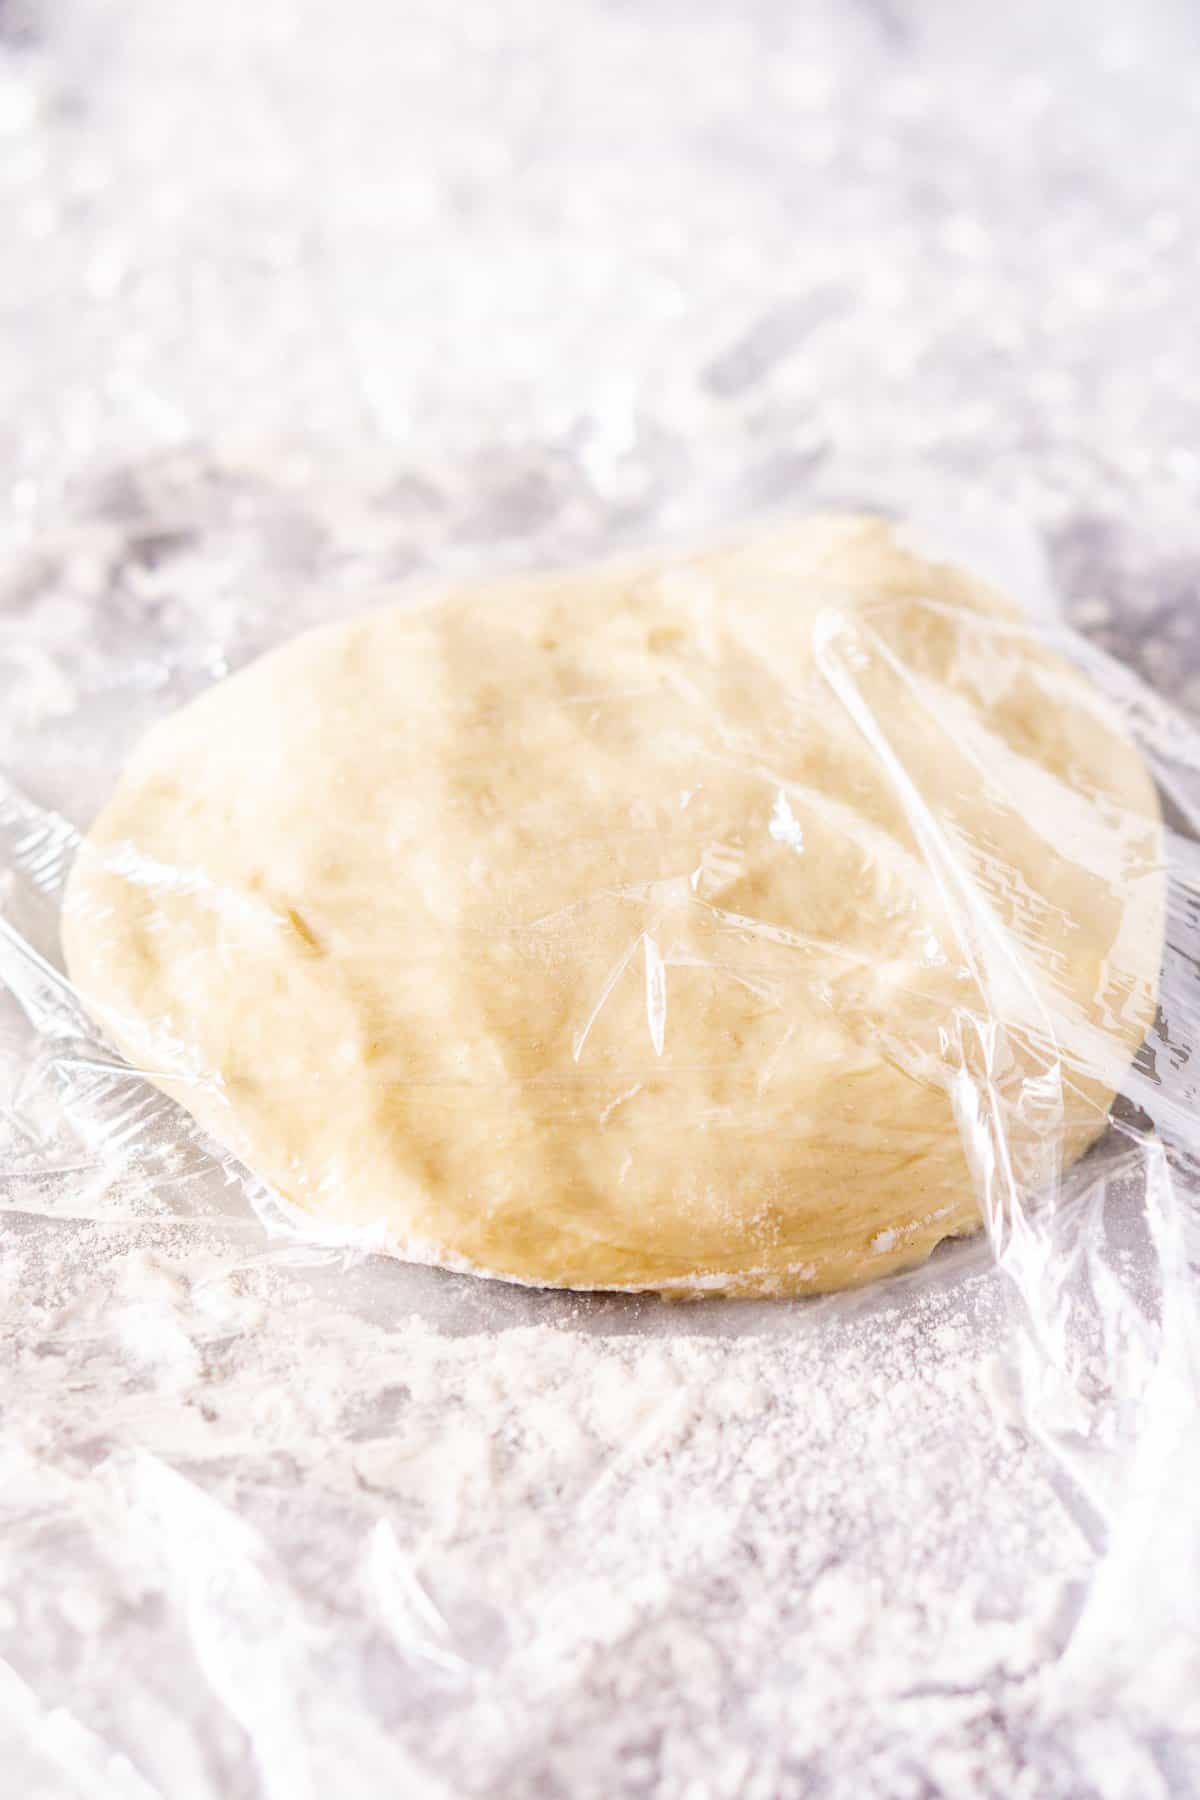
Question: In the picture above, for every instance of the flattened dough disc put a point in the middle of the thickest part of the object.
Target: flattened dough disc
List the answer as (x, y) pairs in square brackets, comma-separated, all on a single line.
[(632, 928)]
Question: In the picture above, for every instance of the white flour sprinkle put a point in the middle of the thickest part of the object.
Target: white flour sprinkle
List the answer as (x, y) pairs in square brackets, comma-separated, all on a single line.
[(551, 1559)]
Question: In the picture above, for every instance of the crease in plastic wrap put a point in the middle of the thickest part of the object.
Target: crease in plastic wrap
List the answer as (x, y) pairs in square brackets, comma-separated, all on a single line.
[(1097, 1255)]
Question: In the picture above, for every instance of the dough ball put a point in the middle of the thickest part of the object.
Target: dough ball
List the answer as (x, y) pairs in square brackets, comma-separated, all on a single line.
[(652, 926)]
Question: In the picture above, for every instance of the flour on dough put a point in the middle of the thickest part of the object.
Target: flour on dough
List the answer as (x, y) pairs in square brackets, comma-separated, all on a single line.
[(653, 926)]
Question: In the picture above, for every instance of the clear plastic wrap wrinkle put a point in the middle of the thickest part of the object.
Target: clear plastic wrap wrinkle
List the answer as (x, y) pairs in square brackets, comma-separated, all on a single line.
[(1098, 1250)]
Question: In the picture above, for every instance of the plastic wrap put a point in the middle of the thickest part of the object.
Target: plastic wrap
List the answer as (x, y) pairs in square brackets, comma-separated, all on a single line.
[(1097, 1255)]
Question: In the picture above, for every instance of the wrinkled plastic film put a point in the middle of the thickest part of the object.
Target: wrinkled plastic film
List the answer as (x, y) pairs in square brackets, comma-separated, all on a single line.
[(1099, 1254), (1102, 1259)]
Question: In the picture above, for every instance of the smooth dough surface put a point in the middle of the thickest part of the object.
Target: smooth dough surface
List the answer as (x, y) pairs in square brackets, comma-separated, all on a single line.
[(641, 927)]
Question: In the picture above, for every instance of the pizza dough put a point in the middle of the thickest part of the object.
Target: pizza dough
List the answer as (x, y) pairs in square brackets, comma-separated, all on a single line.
[(645, 927)]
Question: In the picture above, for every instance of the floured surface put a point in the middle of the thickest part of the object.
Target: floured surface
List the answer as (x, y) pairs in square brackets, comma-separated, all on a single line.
[(541, 1559), (582, 928)]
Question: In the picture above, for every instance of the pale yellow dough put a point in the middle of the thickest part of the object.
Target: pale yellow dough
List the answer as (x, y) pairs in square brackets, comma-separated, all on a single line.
[(631, 927)]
